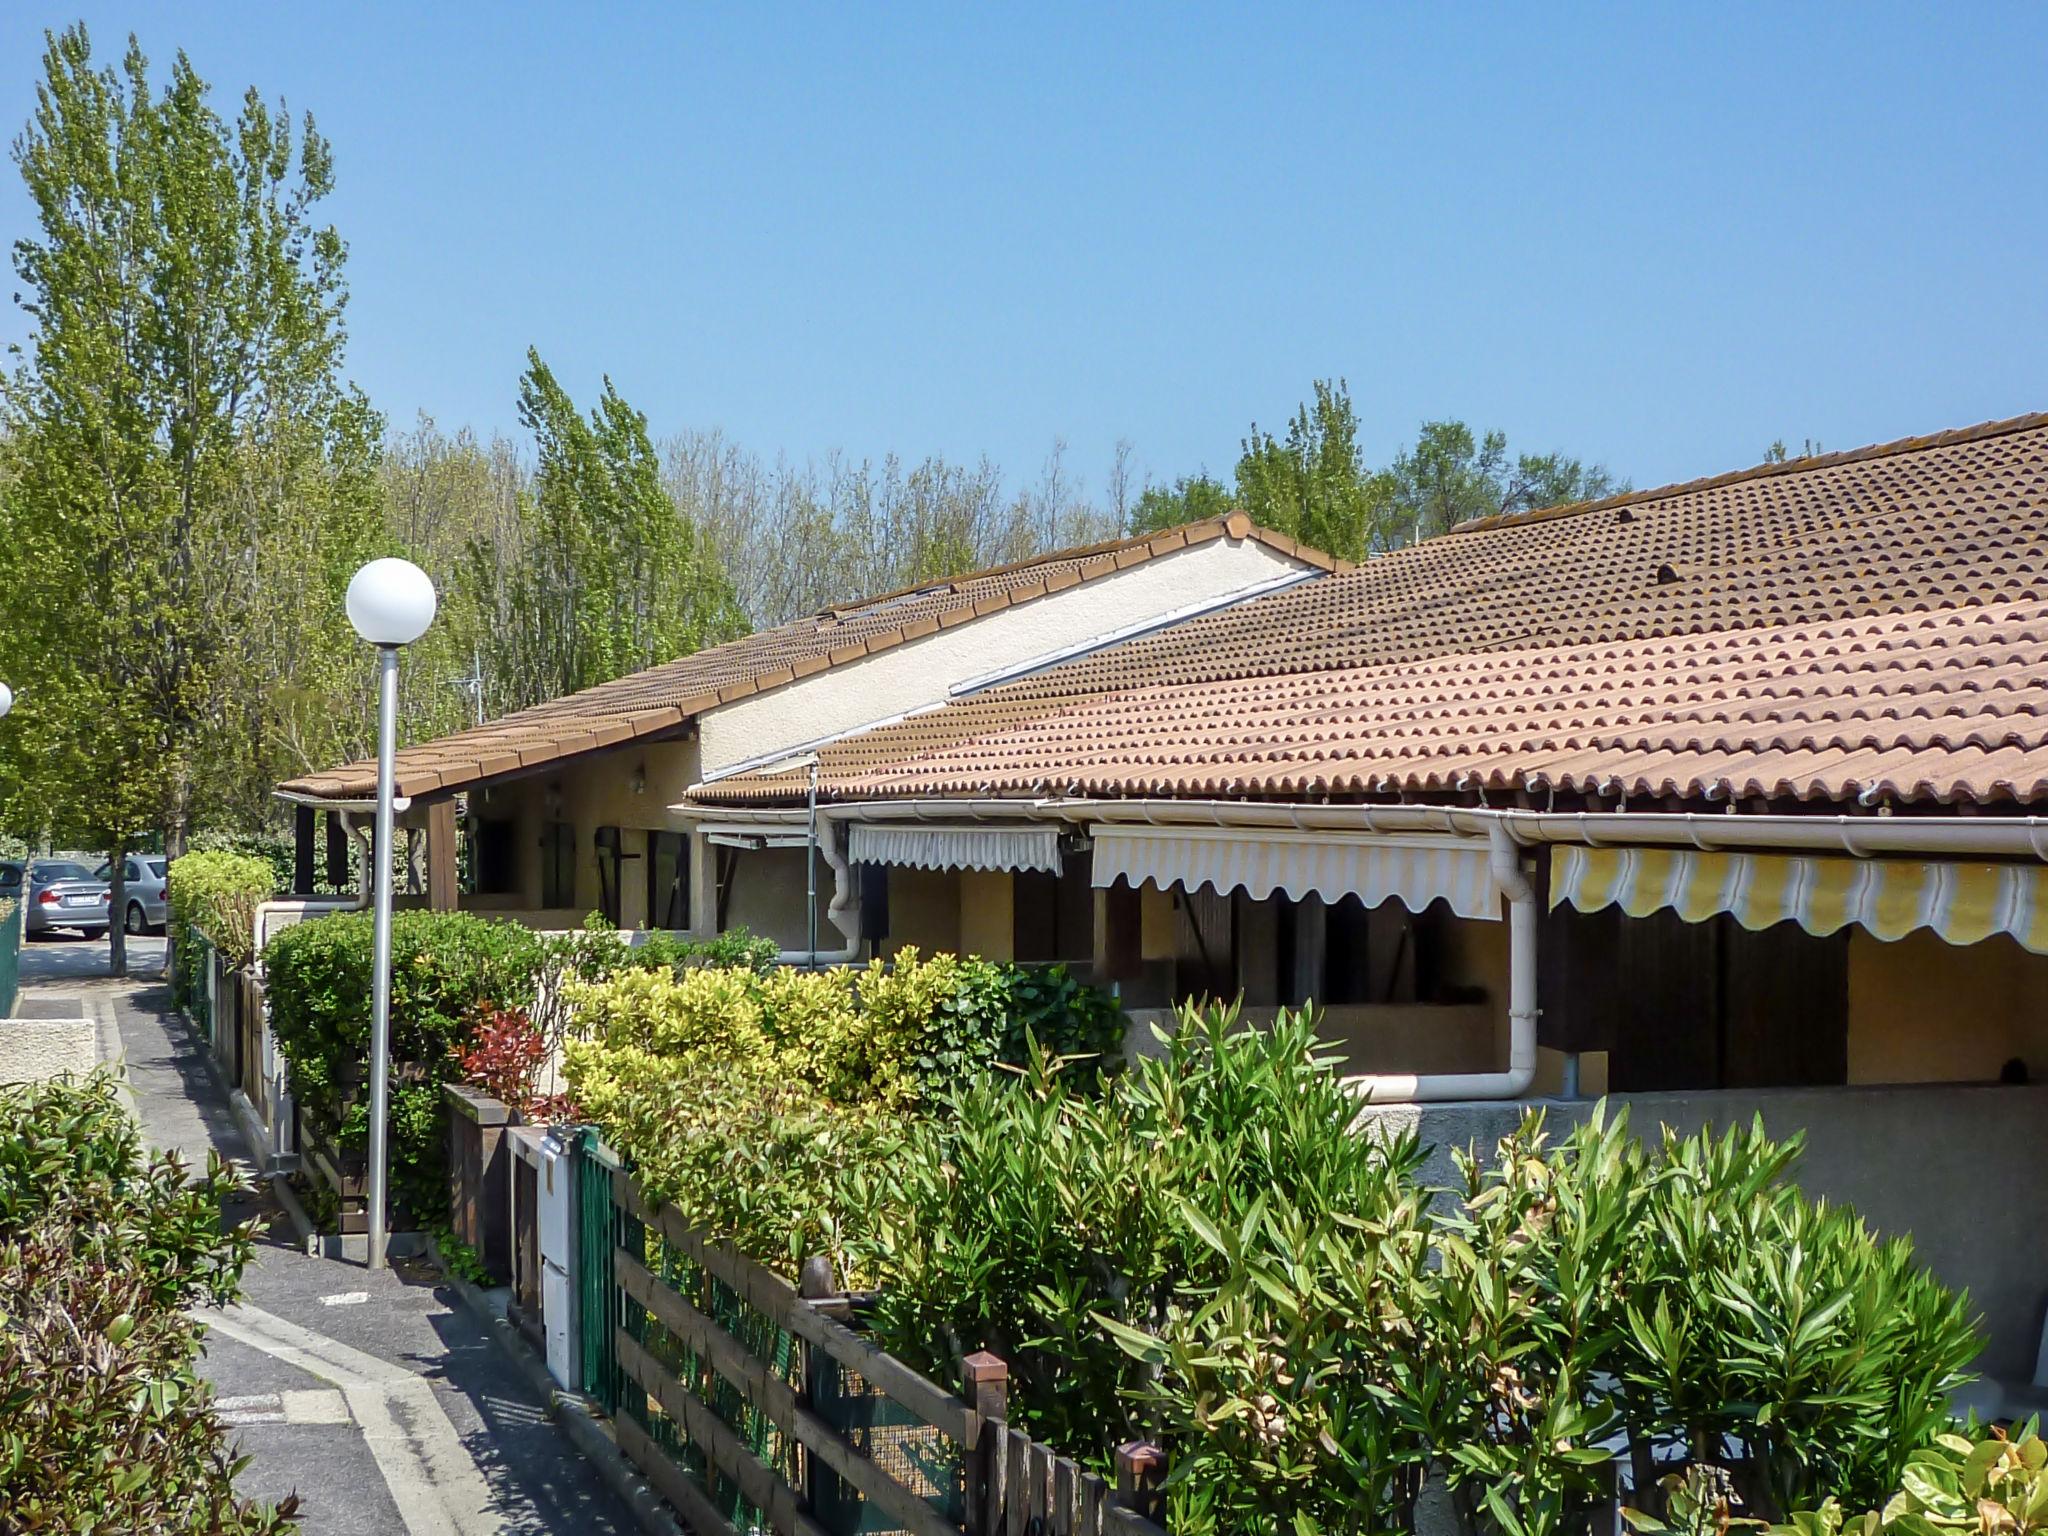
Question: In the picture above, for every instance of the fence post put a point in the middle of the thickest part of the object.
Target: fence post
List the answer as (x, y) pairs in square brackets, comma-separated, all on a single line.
[(987, 1379), (1140, 1468)]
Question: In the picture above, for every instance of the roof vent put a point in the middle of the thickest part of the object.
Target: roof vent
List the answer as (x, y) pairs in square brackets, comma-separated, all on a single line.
[(1666, 574), (1625, 515)]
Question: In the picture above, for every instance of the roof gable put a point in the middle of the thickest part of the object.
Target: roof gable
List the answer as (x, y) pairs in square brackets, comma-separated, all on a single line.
[(659, 701)]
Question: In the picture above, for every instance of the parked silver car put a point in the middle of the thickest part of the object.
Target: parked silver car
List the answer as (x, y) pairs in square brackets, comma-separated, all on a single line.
[(146, 892), (63, 894)]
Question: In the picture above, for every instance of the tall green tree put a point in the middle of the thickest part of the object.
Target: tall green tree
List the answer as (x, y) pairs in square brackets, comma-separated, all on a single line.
[(185, 325), (1314, 484), (608, 575), (1189, 499), (1452, 474)]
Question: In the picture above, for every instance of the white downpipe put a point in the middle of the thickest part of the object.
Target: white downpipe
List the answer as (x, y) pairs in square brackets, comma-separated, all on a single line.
[(1504, 861), (844, 908)]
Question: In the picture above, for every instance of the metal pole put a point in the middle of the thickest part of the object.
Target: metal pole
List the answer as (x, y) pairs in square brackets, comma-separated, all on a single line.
[(811, 866), (379, 869)]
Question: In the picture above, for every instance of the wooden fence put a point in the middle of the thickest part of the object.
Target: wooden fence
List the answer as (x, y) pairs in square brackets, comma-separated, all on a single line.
[(751, 1406)]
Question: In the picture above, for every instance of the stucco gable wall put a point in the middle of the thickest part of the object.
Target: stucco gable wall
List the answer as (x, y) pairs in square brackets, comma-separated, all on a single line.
[(920, 673)]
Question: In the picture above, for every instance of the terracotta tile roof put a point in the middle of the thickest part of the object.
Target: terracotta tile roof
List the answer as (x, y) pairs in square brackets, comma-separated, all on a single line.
[(659, 700), (1816, 628), (1949, 705)]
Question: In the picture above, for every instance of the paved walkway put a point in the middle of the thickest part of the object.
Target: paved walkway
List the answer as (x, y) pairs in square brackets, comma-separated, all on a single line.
[(374, 1396)]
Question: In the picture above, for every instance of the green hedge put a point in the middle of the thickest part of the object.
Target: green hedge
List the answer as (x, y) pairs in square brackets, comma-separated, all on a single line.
[(444, 965), (215, 893), (104, 1251), (1205, 1248)]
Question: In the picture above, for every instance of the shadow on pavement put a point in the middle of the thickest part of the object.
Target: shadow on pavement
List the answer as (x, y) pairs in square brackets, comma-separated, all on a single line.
[(541, 1485)]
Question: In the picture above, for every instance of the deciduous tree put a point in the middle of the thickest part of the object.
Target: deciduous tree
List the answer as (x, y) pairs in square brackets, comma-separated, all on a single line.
[(178, 392)]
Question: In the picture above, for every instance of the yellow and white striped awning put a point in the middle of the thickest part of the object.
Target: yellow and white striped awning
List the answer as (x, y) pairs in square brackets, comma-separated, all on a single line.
[(1963, 902), (1413, 870)]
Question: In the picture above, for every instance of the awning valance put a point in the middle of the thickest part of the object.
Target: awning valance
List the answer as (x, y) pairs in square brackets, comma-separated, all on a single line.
[(1963, 902), (1411, 870), (925, 847)]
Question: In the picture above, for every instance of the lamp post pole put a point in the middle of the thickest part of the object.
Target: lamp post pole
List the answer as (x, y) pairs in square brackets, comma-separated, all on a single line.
[(390, 603), (380, 973)]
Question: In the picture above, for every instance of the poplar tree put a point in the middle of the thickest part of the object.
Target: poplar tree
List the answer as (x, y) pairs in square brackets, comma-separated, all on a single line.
[(185, 340), (609, 575)]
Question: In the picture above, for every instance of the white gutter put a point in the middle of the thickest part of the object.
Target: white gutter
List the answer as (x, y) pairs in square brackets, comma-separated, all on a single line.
[(324, 803), (843, 911), (1504, 859)]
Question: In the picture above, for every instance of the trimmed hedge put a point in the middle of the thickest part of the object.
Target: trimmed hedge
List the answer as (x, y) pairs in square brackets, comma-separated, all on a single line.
[(445, 968), (217, 894), (104, 1426)]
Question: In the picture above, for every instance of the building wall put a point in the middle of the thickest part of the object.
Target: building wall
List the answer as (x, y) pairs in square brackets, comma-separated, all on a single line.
[(1907, 1159), (926, 909), (767, 898), (919, 673), (596, 791), (1922, 1010), (988, 914)]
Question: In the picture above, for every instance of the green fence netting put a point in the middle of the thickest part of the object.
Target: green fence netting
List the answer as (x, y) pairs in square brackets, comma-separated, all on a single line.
[(913, 1452), (11, 915)]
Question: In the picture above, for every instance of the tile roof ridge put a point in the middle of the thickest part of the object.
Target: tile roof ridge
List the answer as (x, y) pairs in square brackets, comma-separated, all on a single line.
[(1236, 524), (1986, 429)]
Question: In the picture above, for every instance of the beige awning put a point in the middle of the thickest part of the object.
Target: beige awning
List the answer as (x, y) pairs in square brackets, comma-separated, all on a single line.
[(968, 847), (1963, 902), (1414, 871)]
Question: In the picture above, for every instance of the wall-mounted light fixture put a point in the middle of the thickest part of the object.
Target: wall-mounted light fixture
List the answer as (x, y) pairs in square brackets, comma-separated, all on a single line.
[(639, 780)]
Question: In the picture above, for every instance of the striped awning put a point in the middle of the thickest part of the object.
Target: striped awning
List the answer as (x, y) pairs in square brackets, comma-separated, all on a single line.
[(1414, 871), (1963, 902), (923, 847)]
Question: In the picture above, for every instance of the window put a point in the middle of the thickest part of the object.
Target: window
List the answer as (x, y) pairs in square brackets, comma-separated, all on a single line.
[(557, 864), (610, 861), (668, 880), (491, 858)]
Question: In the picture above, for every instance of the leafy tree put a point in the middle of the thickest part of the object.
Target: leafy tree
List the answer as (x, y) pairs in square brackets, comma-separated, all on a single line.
[(1314, 485), (1451, 475), (181, 372), (1778, 453), (608, 574), (1189, 499)]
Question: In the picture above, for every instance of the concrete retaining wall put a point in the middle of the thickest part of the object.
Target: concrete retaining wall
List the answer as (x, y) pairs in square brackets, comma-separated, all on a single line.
[(36, 1050), (1953, 1167)]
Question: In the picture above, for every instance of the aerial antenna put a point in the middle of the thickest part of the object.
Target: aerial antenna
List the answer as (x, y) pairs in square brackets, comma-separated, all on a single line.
[(473, 685)]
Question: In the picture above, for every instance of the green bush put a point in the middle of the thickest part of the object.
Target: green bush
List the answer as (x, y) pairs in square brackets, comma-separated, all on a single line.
[(214, 893), (103, 1424), (1207, 1249), (1056, 1226), (444, 967)]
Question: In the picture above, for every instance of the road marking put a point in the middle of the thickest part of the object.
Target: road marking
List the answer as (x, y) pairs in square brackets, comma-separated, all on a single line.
[(432, 1478), (345, 1299), (314, 1407), (321, 1407)]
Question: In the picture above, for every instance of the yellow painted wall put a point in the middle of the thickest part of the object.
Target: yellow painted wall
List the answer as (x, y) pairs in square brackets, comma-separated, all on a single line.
[(925, 909), (988, 913), (1922, 1010), (1155, 923), (593, 792)]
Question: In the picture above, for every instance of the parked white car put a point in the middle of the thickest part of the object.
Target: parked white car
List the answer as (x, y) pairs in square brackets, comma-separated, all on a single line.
[(147, 892)]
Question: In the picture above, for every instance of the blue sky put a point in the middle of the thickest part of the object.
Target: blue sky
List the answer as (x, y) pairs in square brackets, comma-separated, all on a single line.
[(1655, 237)]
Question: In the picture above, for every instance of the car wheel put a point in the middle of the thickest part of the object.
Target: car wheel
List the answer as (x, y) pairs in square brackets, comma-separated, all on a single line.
[(135, 923)]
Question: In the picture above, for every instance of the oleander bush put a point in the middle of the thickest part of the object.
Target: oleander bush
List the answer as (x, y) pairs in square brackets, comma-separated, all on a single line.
[(1206, 1248), (104, 1252), (215, 893), (447, 970)]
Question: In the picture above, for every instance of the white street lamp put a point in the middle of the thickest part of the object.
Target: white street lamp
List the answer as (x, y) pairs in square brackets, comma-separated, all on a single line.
[(390, 603), (6, 699)]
